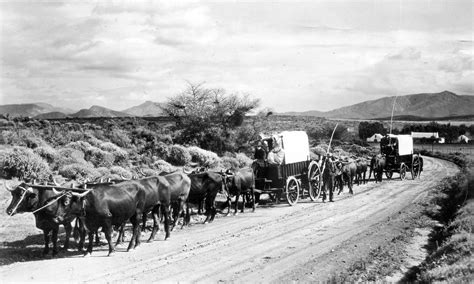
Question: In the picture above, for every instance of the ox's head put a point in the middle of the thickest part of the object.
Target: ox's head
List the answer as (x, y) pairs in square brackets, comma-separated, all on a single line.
[(24, 198), (70, 205)]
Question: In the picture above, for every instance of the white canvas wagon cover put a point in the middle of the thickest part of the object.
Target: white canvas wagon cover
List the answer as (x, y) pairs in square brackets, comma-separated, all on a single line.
[(295, 145), (405, 144)]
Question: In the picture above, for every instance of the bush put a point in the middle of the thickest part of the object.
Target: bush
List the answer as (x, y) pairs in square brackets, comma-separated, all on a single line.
[(243, 160), (99, 158), (120, 138), (69, 156), (163, 166), (79, 171), (47, 153), (24, 164), (79, 145), (119, 171), (162, 150), (120, 155), (203, 157), (179, 155), (230, 163)]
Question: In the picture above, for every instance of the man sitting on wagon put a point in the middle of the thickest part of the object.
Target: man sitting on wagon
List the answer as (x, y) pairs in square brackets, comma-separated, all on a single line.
[(276, 156)]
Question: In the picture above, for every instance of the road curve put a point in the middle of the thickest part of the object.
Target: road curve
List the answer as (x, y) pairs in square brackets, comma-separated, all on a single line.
[(258, 247)]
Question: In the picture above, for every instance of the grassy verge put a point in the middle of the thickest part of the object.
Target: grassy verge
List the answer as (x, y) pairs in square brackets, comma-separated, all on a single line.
[(452, 243)]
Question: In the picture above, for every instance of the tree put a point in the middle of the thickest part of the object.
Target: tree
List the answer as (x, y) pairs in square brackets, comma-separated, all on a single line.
[(208, 117), (367, 129)]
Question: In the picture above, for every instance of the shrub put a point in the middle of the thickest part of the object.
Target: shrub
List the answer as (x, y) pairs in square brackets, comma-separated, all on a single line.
[(70, 156), (120, 138), (163, 166), (203, 157), (79, 171), (243, 160), (47, 153), (23, 163), (179, 155), (120, 155), (119, 171), (150, 172), (34, 142), (230, 163), (79, 145), (162, 150), (99, 158)]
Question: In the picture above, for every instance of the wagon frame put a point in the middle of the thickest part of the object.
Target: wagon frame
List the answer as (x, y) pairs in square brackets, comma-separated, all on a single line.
[(297, 177), (398, 152)]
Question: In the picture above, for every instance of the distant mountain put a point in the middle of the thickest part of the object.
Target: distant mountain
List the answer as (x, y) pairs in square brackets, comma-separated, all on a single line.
[(31, 110), (306, 113), (51, 115), (98, 111), (444, 104), (147, 108)]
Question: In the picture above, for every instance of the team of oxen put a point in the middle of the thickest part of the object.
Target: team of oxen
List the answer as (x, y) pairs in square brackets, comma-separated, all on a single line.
[(110, 205)]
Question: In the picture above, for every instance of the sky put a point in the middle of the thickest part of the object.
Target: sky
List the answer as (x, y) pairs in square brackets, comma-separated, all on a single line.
[(293, 56)]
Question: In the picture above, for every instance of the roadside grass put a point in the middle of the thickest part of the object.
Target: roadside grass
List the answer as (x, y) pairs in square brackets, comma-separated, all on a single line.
[(447, 211), (452, 244)]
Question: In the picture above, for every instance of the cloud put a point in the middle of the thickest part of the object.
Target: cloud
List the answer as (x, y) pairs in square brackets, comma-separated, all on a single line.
[(325, 55)]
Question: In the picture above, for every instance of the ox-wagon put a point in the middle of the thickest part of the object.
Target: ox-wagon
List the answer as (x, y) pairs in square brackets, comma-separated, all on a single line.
[(296, 176)]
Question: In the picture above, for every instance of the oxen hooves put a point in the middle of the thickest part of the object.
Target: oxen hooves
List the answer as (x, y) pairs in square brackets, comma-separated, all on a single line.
[(87, 254)]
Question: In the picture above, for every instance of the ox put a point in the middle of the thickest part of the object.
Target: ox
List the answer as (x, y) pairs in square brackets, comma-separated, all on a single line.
[(241, 183), (42, 201), (179, 185), (379, 162), (348, 172), (361, 171), (107, 206), (204, 187)]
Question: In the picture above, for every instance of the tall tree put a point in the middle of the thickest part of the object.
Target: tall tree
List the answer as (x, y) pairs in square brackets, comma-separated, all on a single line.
[(208, 117)]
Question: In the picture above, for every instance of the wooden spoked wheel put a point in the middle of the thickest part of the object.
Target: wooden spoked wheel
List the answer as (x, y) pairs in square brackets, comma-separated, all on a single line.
[(314, 180), (403, 171), (292, 190)]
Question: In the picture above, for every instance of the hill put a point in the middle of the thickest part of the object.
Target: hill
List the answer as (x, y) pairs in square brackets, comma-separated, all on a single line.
[(51, 115), (427, 105), (98, 111), (147, 108), (31, 110)]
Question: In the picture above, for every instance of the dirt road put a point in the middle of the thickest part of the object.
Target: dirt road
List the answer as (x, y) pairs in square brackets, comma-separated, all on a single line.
[(274, 243)]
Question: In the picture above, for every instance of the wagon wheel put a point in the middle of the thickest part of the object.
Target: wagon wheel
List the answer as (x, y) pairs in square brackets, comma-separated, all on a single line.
[(389, 173), (403, 171), (292, 190), (415, 167), (314, 180)]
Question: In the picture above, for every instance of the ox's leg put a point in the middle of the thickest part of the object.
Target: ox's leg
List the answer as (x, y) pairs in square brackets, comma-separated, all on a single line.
[(120, 238), (351, 183), (46, 242), (97, 238), (165, 210), (252, 192), (68, 229), (108, 230), (135, 241), (156, 221), (144, 217), (244, 200), (187, 218), (236, 206), (91, 242), (54, 239)]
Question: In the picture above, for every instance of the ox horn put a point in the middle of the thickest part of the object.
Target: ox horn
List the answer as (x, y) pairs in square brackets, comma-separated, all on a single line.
[(55, 182), (80, 195), (56, 192), (7, 187), (28, 189)]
